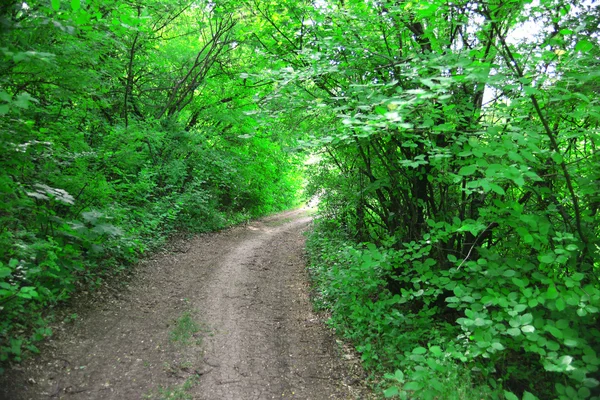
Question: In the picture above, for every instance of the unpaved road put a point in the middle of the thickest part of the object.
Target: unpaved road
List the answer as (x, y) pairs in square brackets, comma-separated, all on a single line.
[(226, 317)]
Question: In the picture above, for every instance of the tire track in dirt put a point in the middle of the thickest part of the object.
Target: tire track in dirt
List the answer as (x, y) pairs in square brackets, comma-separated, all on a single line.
[(247, 289)]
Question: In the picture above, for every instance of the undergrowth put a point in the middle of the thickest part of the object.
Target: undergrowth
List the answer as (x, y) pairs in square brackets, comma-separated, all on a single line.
[(61, 236), (180, 392), (482, 331), (185, 329)]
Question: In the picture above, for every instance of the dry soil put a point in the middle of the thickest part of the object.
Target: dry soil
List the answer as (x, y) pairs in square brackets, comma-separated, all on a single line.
[(221, 316)]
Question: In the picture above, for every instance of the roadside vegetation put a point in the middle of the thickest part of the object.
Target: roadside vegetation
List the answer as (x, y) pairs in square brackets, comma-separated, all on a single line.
[(121, 123), (453, 147), (457, 238)]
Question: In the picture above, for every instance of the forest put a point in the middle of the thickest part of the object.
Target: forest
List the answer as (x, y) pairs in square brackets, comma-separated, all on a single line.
[(453, 149)]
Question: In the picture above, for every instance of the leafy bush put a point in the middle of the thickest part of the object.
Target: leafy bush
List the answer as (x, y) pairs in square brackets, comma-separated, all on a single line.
[(492, 317), (98, 167)]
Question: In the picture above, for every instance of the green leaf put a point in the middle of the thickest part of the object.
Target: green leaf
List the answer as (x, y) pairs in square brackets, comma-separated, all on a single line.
[(399, 375), (529, 396), (560, 304), (552, 345), (530, 90), (4, 271), (520, 307), (547, 258), (419, 350), (557, 158), (5, 96), (468, 170), (23, 100), (591, 383), (584, 392), (584, 46), (497, 346), (520, 283), (391, 392), (528, 329), (533, 303), (510, 396), (557, 333), (413, 386), (570, 342), (514, 331), (75, 5), (436, 350), (27, 292), (578, 276), (55, 4), (497, 189), (551, 293)]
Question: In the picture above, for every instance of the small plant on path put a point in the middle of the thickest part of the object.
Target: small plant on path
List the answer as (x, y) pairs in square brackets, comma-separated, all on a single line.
[(185, 329)]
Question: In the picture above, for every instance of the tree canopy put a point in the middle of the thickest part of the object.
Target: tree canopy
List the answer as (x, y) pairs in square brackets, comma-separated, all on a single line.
[(453, 147)]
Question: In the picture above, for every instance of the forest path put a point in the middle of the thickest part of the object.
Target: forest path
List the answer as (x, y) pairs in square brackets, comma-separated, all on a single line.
[(228, 317)]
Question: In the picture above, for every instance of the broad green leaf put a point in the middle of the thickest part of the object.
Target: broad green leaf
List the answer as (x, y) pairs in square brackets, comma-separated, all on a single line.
[(468, 170), (591, 382), (584, 46), (520, 307), (510, 396), (75, 5), (24, 100), (528, 329), (497, 346), (413, 386), (584, 392), (557, 158), (533, 303), (436, 350), (399, 375), (497, 189), (514, 331), (530, 90), (55, 4), (557, 333), (5, 96), (578, 276), (552, 345), (529, 396), (4, 271), (391, 392), (551, 293), (547, 258), (570, 342)]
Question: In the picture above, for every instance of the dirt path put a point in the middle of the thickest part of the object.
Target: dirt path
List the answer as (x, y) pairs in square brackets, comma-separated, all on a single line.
[(226, 318)]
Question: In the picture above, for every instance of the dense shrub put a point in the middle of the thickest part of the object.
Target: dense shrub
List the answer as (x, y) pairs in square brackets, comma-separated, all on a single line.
[(107, 148)]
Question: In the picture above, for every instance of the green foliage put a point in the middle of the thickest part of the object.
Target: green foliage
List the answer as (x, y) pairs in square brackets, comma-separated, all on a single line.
[(483, 314), (185, 329), (121, 123), (175, 392), (459, 164), (454, 159)]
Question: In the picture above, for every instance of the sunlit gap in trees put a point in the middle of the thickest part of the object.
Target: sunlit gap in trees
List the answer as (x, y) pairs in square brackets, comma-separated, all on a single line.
[(526, 32)]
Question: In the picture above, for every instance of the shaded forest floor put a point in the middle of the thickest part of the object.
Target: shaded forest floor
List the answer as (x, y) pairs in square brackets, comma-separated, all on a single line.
[(221, 316)]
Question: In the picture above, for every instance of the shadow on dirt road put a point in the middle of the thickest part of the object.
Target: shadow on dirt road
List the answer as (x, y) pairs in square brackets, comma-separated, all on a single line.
[(226, 318)]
